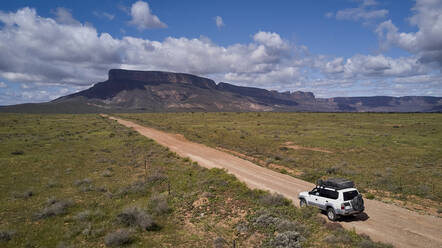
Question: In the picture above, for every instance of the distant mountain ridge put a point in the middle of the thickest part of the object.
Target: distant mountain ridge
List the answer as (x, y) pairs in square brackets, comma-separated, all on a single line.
[(159, 91)]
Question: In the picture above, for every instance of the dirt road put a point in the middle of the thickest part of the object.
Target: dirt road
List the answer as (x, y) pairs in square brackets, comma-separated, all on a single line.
[(386, 223)]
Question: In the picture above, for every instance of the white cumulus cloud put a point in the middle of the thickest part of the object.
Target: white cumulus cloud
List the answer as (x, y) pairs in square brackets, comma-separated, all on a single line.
[(143, 18), (427, 41)]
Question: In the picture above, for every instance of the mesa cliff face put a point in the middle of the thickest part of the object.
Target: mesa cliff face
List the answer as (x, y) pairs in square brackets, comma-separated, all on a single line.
[(167, 91), (158, 91), (158, 77)]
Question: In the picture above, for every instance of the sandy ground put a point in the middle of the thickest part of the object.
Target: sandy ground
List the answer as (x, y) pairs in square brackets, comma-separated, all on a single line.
[(385, 222)]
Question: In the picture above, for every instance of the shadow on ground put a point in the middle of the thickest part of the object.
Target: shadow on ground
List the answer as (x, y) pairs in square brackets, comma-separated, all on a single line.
[(351, 218)]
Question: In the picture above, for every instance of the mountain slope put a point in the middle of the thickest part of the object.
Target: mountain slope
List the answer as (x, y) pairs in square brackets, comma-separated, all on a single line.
[(156, 91)]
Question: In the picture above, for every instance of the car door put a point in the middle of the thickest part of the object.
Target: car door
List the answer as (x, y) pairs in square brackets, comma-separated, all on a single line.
[(329, 197), (323, 198), (313, 198)]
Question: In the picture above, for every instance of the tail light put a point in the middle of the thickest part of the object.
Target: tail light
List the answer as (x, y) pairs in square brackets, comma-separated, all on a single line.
[(342, 206)]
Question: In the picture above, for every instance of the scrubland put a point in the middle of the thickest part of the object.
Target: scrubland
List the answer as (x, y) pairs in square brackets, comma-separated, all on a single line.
[(85, 181)]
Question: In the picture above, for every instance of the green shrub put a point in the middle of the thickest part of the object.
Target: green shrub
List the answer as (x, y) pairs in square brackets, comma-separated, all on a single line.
[(158, 204), (274, 200), (135, 217), (289, 239), (369, 196), (54, 208), (118, 238), (219, 242), (6, 235)]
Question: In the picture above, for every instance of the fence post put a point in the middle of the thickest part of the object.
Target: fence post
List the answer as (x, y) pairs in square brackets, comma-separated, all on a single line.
[(168, 186), (145, 170)]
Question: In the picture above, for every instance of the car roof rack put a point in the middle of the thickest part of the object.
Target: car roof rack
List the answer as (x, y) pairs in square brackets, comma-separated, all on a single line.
[(336, 183)]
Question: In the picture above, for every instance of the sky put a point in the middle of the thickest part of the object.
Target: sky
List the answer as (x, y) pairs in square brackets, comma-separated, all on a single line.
[(329, 47)]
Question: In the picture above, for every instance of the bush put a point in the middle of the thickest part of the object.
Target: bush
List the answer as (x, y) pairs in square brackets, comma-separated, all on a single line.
[(85, 181), (63, 245), (118, 238), (84, 184), (219, 242), (83, 216), (135, 217), (274, 200), (107, 173), (289, 239), (340, 236), (242, 228), (87, 230), (25, 195), (53, 184), (369, 196), (332, 226), (266, 220), (308, 212), (286, 225), (159, 205), (6, 235), (137, 187), (54, 207), (333, 170), (87, 188)]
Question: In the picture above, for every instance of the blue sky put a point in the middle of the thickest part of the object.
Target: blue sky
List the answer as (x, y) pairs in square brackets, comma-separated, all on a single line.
[(331, 48)]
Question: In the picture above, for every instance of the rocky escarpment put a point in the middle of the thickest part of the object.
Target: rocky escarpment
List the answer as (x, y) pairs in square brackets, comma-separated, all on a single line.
[(158, 77), (167, 91), (159, 91)]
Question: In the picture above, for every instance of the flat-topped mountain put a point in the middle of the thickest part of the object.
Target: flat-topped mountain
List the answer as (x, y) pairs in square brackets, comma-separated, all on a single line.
[(158, 91)]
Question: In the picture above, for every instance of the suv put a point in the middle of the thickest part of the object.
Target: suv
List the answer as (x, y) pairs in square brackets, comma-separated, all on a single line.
[(337, 196)]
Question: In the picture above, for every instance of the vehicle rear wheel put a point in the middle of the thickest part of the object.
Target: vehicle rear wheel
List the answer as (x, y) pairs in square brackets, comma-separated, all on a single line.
[(303, 203), (331, 214)]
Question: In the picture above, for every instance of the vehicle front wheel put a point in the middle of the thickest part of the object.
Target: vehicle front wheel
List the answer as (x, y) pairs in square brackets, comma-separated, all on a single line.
[(331, 214), (303, 203)]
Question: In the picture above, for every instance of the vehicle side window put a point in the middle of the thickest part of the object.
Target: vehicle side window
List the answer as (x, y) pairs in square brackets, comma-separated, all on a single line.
[(323, 193), (329, 194), (334, 195)]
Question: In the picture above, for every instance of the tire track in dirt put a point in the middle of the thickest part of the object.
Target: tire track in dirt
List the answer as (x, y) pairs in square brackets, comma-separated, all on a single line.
[(386, 223)]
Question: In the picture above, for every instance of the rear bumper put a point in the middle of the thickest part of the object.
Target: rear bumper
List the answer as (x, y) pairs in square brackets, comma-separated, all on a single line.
[(349, 212)]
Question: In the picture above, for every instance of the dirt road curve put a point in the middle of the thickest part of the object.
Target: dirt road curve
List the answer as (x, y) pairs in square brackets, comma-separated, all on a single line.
[(386, 223)]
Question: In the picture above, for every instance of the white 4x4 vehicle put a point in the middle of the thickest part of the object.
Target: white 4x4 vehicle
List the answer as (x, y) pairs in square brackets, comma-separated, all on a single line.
[(336, 196)]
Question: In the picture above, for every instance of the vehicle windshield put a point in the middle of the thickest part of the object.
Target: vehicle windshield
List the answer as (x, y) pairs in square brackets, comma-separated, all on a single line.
[(350, 195), (314, 191)]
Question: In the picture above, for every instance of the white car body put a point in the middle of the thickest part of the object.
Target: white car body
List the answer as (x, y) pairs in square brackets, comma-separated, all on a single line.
[(340, 201)]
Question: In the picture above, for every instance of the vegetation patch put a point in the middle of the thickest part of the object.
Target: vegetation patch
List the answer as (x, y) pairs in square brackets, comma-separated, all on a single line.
[(54, 207), (6, 235), (118, 238), (135, 217)]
